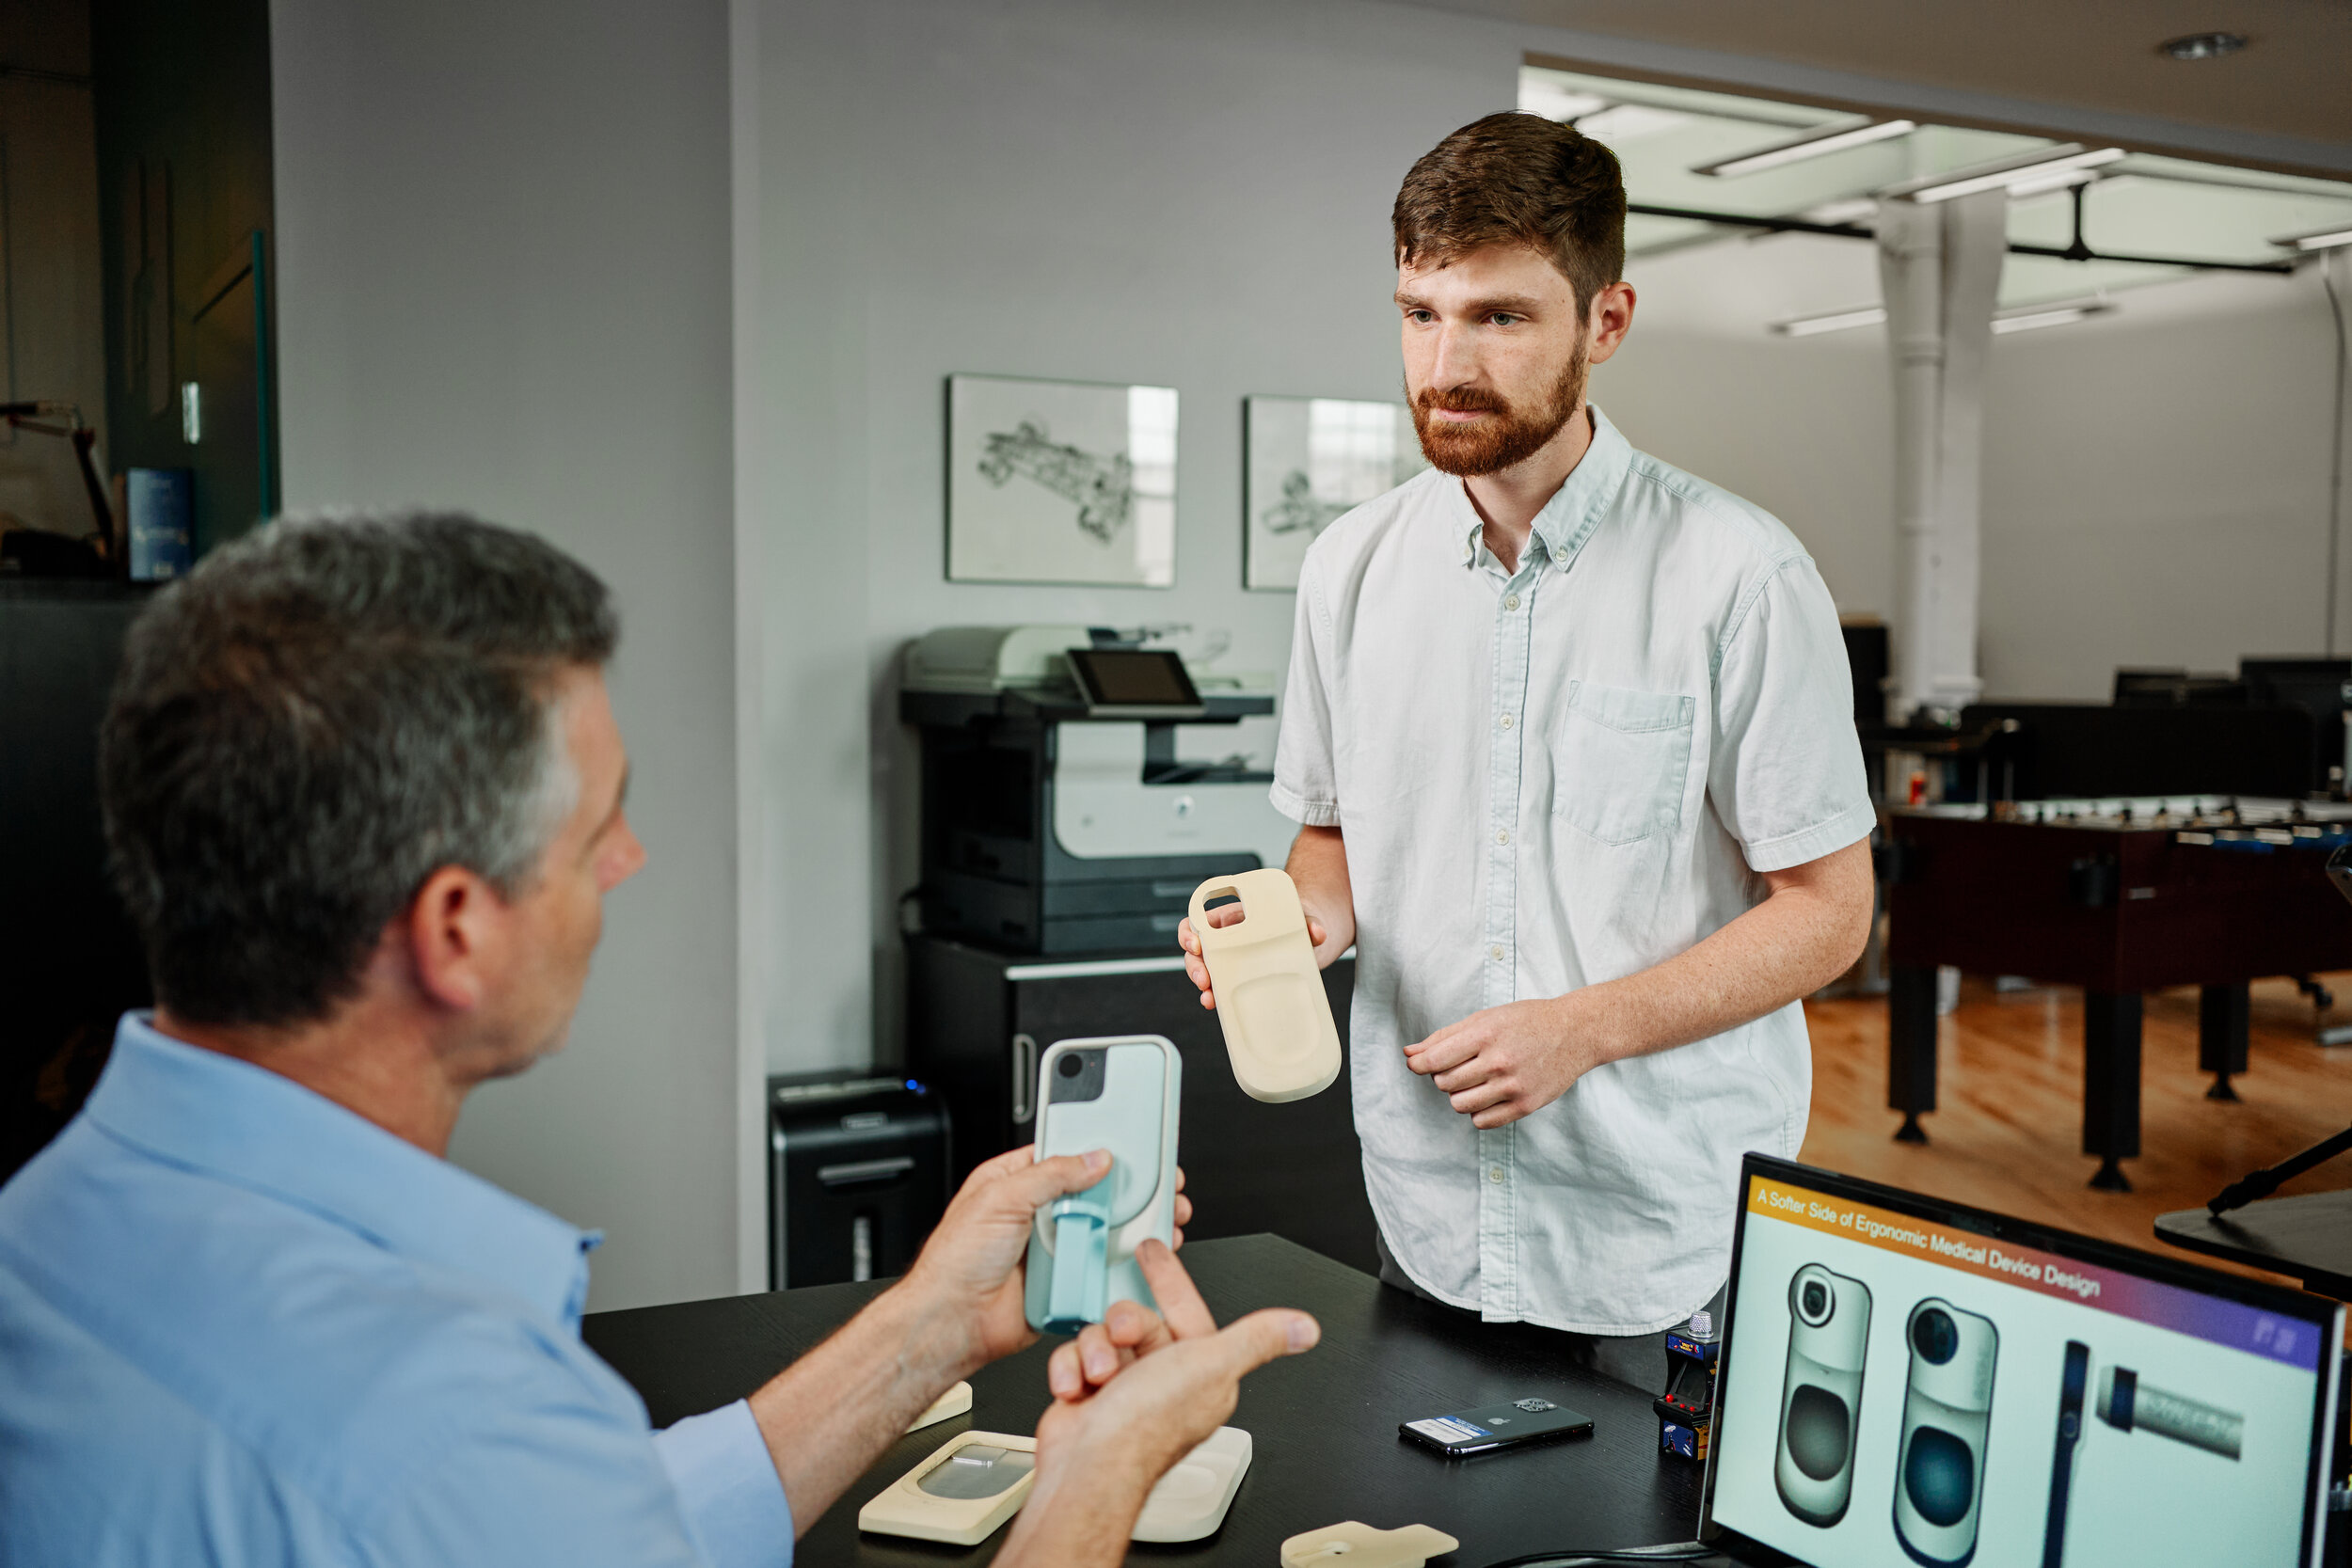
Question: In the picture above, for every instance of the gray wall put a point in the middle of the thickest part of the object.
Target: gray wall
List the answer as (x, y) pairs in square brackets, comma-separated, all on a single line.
[(1197, 195), (1191, 195), (503, 248)]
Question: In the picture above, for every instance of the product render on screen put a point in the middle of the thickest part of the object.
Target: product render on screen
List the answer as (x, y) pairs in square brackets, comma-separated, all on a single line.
[(1829, 1332), (1948, 1414)]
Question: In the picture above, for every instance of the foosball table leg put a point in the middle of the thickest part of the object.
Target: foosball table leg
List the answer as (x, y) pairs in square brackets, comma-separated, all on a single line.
[(1910, 1047), (2111, 1085), (2222, 1014)]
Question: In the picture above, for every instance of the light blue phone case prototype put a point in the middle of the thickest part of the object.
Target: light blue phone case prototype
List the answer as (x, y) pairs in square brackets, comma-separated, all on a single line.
[(1120, 1093)]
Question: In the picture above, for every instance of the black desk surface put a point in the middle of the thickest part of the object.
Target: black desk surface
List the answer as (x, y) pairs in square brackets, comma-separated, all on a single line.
[(1322, 1424), (2308, 1238)]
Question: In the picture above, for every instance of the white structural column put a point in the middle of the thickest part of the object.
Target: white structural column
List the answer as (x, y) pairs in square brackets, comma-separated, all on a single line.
[(1940, 269)]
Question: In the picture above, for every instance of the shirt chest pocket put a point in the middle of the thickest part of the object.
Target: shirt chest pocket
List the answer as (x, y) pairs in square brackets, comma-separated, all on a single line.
[(1619, 761)]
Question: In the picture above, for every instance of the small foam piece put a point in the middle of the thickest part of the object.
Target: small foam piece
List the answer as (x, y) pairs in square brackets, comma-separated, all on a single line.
[(1270, 1000), (906, 1507), (1191, 1500), (1358, 1545), (955, 1402)]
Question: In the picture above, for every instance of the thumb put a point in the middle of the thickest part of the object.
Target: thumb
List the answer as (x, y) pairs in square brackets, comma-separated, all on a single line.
[(1249, 1342), (1047, 1180)]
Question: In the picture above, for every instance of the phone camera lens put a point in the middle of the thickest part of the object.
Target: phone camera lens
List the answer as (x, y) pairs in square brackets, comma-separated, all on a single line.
[(1935, 1336), (1815, 1302), (1072, 1067)]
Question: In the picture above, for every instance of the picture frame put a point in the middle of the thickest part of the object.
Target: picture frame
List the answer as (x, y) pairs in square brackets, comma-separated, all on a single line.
[(1307, 461), (1060, 481)]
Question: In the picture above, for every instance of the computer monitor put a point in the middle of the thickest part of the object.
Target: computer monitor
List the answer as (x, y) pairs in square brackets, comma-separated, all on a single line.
[(1904, 1378)]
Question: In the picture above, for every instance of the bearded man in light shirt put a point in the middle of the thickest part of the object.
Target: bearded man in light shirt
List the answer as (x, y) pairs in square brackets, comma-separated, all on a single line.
[(1568, 735)]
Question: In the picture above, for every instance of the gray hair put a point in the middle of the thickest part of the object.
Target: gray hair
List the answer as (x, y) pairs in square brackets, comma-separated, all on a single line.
[(317, 719)]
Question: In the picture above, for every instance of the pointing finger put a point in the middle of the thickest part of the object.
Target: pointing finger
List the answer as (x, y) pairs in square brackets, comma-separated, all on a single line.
[(1181, 1306)]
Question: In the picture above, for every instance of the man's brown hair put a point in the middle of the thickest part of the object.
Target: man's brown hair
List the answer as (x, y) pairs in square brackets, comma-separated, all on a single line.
[(1518, 178)]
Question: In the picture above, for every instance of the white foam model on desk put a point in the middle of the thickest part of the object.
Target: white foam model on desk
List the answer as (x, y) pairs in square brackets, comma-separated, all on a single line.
[(961, 1493), (955, 1402), (1191, 1500), (1358, 1545), (1270, 995)]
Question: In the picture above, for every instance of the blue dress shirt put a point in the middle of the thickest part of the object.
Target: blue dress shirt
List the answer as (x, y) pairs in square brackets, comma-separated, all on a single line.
[(241, 1324)]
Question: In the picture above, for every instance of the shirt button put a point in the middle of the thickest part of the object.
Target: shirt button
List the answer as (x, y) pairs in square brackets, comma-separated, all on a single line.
[(1511, 601), (1503, 835), (1495, 1175), (1495, 952), (1506, 720)]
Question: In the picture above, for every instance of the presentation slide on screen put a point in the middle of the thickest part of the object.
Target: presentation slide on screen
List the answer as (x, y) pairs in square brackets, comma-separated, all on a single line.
[(1900, 1389)]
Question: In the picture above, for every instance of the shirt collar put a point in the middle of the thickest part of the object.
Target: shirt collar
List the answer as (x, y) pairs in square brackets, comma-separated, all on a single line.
[(262, 1131), (1576, 509)]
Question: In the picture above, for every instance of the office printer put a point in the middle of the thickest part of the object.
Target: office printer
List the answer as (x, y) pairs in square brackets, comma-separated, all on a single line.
[(1057, 815)]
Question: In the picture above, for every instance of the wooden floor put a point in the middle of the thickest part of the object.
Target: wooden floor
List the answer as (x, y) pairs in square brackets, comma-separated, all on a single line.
[(2008, 1135)]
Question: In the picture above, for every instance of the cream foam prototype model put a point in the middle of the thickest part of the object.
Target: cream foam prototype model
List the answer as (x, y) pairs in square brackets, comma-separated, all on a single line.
[(1191, 1500), (960, 1494), (955, 1402), (1358, 1545), (1269, 994)]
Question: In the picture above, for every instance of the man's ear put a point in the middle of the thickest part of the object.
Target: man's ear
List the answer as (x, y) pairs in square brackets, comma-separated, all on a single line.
[(453, 931), (1610, 319)]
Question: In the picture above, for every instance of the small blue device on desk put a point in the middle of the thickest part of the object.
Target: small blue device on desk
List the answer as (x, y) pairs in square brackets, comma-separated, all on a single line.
[(1118, 1093)]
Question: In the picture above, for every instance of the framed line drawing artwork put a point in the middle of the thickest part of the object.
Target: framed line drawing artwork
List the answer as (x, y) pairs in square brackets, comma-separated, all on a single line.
[(1306, 461), (1053, 482)]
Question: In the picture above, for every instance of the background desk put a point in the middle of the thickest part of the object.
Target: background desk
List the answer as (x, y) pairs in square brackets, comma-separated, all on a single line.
[(2309, 1236), (1323, 1423)]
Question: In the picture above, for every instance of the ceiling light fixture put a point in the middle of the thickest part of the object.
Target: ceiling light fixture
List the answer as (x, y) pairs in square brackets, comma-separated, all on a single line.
[(2036, 171), (2030, 317), (2327, 239), (1832, 321), (2203, 46), (1812, 145)]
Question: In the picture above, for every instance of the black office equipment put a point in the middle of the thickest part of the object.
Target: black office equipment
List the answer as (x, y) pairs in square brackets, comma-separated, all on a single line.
[(858, 1173), (2321, 687), (1057, 815), (69, 962), (2072, 750), (1869, 660)]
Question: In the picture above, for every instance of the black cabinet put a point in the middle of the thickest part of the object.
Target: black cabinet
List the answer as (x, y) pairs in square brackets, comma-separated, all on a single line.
[(978, 1019)]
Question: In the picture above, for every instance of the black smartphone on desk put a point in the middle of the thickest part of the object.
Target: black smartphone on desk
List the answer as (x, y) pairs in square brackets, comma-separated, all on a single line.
[(1497, 1426)]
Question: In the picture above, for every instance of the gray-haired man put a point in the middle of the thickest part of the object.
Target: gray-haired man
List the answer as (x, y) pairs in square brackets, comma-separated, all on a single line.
[(364, 791)]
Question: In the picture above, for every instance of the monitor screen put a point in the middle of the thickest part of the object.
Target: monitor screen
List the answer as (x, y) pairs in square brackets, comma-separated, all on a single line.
[(1904, 1380), (1134, 678)]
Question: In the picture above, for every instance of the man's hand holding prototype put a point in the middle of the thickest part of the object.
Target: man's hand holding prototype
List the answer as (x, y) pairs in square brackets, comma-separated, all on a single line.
[(830, 1415), (1133, 1395)]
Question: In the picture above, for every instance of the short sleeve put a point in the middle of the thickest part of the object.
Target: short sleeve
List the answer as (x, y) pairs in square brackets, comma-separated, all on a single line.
[(1787, 777), (1305, 787)]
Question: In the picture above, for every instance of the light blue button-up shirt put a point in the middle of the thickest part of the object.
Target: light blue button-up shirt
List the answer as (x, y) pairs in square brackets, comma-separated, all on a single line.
[(241, 1324)]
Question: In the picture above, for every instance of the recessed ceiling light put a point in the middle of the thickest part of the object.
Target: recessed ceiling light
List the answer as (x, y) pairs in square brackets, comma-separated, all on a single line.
[(1834, 321), (1812, 145), (2203, 46)]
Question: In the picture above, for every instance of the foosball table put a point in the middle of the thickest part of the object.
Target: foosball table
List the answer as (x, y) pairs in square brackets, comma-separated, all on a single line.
[(2119, 897)]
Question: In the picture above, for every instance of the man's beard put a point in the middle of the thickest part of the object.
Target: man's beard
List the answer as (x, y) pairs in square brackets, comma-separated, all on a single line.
[(1493, 445)]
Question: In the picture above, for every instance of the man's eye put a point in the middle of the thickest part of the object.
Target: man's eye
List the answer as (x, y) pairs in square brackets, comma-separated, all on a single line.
[(1502, 318)]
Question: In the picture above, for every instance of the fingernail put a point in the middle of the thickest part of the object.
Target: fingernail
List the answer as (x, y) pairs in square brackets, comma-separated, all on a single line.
[(1098, 1158), (1305, 1331)]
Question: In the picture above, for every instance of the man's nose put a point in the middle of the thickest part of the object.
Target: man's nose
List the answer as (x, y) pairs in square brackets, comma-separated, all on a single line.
[(1457, 360)]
